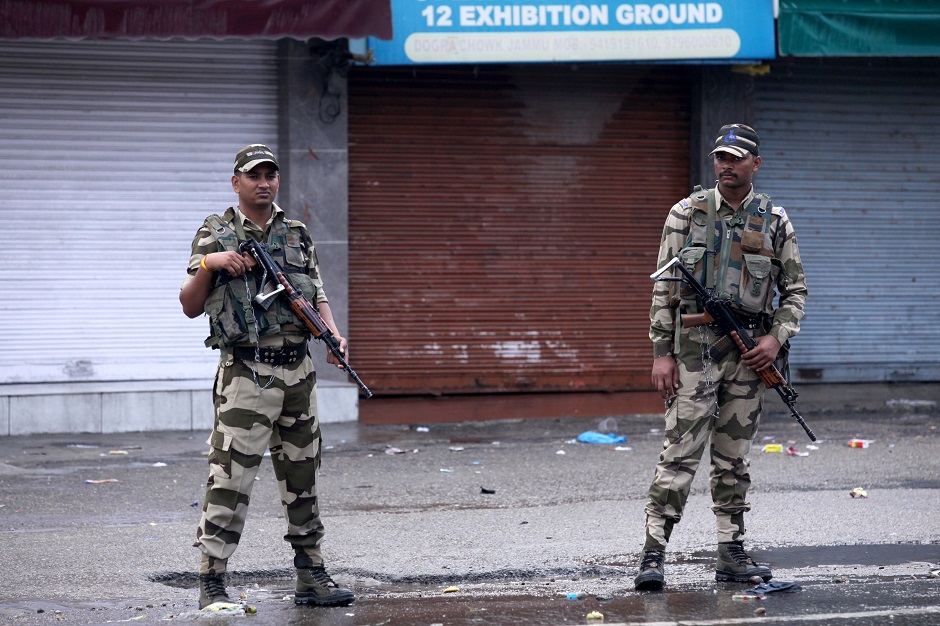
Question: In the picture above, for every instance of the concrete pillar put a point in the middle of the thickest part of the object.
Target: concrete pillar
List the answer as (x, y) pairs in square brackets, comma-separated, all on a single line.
[(314, 160)]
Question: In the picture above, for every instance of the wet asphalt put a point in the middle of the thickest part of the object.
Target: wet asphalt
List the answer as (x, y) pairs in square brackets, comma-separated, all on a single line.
[(491, 522)]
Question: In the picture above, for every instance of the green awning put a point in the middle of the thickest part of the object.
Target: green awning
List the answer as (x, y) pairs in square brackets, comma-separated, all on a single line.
[(882, 28)]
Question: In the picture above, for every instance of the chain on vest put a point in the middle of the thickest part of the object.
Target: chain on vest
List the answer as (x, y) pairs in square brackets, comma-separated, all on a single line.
[(234, 318), (742, 262)]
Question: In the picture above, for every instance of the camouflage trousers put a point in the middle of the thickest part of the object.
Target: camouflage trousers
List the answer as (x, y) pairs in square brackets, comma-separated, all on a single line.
[(248, 421), (719, 399)]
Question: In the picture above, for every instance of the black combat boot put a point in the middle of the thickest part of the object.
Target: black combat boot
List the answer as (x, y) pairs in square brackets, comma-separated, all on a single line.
[(212, 589), (314, 585), (734, 565), (651, 576)]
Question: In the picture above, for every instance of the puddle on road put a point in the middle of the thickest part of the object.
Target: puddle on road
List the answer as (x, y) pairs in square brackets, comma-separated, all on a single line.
[(540, 597), (709, 601)]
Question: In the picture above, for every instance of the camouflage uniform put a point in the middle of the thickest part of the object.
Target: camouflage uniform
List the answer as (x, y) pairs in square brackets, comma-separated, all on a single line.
[(261, 406), (718, 396)]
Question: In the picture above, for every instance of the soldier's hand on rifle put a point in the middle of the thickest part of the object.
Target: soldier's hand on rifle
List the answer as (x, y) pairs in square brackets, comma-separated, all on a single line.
[(343, 347), (232, 262), (665, 376), (763, 354)]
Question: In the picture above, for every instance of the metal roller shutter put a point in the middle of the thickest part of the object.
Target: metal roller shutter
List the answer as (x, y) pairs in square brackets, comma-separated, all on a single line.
[(113, 154), (849, 149), (504, 221)]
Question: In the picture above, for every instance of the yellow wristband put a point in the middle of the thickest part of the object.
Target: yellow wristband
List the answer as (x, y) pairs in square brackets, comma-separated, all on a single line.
[(202, 264)]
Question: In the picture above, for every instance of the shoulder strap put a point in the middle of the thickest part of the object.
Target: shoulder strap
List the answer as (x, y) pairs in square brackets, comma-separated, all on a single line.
[(764, 208), (222, 229), (710, 240), (306, 241), (767, 207)]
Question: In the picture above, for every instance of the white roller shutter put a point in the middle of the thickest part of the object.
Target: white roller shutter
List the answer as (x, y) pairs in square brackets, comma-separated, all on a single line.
[(850, 150), (113, 152)]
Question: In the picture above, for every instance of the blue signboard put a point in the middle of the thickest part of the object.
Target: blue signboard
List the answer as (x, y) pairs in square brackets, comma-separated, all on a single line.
[(537, 31)]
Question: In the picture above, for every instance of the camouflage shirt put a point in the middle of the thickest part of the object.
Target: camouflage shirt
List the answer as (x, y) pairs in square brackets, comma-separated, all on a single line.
[(790, 283)]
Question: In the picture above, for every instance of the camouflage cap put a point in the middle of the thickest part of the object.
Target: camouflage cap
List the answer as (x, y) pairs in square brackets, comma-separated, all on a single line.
[(255, 154), (737, 139)]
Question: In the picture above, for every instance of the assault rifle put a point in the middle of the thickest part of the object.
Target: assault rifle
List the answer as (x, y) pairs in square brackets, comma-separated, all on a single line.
[(307, 313), (722, 318)]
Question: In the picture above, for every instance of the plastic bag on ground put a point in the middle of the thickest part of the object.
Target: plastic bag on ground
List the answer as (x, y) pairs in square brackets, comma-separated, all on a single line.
[(591, 436)]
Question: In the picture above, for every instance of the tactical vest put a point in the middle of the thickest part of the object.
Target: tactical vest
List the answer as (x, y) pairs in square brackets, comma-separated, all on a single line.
[(734, 256), (234, 318)]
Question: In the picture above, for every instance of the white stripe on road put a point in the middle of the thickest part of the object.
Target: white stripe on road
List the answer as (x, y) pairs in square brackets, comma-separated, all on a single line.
[(927, 610)]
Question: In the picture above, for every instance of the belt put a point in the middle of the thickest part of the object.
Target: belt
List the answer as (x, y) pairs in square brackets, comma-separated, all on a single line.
[(273, 356)]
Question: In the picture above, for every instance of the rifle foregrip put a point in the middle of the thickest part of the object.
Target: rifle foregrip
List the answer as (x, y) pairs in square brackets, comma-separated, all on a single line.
[(772, 377), (309, 317), (739, 341)]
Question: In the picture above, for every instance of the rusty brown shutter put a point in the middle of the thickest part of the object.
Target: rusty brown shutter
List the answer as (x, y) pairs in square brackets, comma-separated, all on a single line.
[(504, 221), (159, 19)]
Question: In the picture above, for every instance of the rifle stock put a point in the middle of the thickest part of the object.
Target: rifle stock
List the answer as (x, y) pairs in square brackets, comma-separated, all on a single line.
[(690, 320), (718, 312), (302, 308)]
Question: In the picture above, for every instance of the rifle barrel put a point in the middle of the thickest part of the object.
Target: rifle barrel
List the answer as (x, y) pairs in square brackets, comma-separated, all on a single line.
[(796, 414)]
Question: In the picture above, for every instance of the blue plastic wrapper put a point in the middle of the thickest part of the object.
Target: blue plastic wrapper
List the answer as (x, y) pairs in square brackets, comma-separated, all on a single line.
[(591, 436), (773, 587)]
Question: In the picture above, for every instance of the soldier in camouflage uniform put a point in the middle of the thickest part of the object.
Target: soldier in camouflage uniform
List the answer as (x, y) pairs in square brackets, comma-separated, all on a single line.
[(265, 386), (740, 244)]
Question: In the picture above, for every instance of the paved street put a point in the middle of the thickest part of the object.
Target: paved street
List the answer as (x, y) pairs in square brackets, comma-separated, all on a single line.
[(515, 514)]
